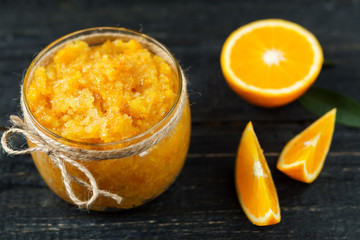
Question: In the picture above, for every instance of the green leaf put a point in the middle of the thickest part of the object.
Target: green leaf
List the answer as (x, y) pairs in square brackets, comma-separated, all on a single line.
[(319, 101)]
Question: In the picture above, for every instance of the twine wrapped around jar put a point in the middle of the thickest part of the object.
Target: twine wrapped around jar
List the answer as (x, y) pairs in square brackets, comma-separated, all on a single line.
[(61, 154)]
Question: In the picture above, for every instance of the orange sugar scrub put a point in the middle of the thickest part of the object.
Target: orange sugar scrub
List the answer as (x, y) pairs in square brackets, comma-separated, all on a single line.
[(102, 94), (107, 89)]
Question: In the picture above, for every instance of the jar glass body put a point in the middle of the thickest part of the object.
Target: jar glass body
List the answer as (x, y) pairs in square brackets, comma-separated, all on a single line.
[(138, 178)]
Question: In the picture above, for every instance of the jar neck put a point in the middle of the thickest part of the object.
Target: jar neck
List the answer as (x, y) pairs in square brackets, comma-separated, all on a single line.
[(97, 36)]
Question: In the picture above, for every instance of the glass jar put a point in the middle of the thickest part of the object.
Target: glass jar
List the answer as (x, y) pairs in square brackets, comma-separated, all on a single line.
[(138, 178)]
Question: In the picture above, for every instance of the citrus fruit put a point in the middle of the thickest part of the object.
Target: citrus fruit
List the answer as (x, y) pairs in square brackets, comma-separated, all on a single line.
[(253, 181), (303, 156), (271, 62)]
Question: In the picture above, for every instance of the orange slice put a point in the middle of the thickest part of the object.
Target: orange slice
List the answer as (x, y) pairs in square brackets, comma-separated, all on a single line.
[(254, 184), (271, 62), (303, 156)]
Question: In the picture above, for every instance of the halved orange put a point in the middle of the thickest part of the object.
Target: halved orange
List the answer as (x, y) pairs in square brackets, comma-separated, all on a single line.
[(254, 184), (271, 62), (303, 156)]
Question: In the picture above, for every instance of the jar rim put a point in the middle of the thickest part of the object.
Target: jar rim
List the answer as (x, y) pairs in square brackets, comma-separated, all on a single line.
[(98, 30)]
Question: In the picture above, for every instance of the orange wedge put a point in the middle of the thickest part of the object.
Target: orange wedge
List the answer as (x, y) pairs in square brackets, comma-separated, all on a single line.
[(271, 62), (254, 184), (303, 156)]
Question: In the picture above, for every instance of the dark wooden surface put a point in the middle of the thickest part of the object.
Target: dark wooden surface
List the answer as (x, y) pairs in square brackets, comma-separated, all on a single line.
[(202, 203)]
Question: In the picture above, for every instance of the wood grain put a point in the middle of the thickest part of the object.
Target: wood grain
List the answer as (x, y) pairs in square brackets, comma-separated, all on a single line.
[(202, 203)]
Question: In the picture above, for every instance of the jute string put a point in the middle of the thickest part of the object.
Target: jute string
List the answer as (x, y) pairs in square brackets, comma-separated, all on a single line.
[(60, 153)]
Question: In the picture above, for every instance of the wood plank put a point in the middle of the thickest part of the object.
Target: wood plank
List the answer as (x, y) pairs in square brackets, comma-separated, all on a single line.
[(201, 204), (224, 138), (197, 45)]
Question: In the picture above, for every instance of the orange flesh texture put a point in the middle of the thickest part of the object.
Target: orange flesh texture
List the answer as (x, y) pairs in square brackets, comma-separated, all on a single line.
[(104, 93), (247, 57), (258, 194), (314, 155)]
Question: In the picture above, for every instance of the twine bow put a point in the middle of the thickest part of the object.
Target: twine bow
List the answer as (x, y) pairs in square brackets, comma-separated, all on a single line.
[(59, 159)]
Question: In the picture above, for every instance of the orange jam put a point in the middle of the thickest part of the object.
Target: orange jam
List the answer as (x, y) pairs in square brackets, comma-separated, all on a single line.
[(104, 94)]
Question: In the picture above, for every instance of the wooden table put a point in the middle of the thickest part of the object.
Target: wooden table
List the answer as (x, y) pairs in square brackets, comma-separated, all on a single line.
[(202, 203)]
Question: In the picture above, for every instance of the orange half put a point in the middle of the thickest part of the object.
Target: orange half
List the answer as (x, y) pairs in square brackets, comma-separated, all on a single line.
[(303, 156), (254, 184), (271, 62)]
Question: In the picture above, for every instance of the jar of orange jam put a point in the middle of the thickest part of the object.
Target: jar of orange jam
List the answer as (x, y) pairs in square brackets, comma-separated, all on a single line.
[(109, 89)]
